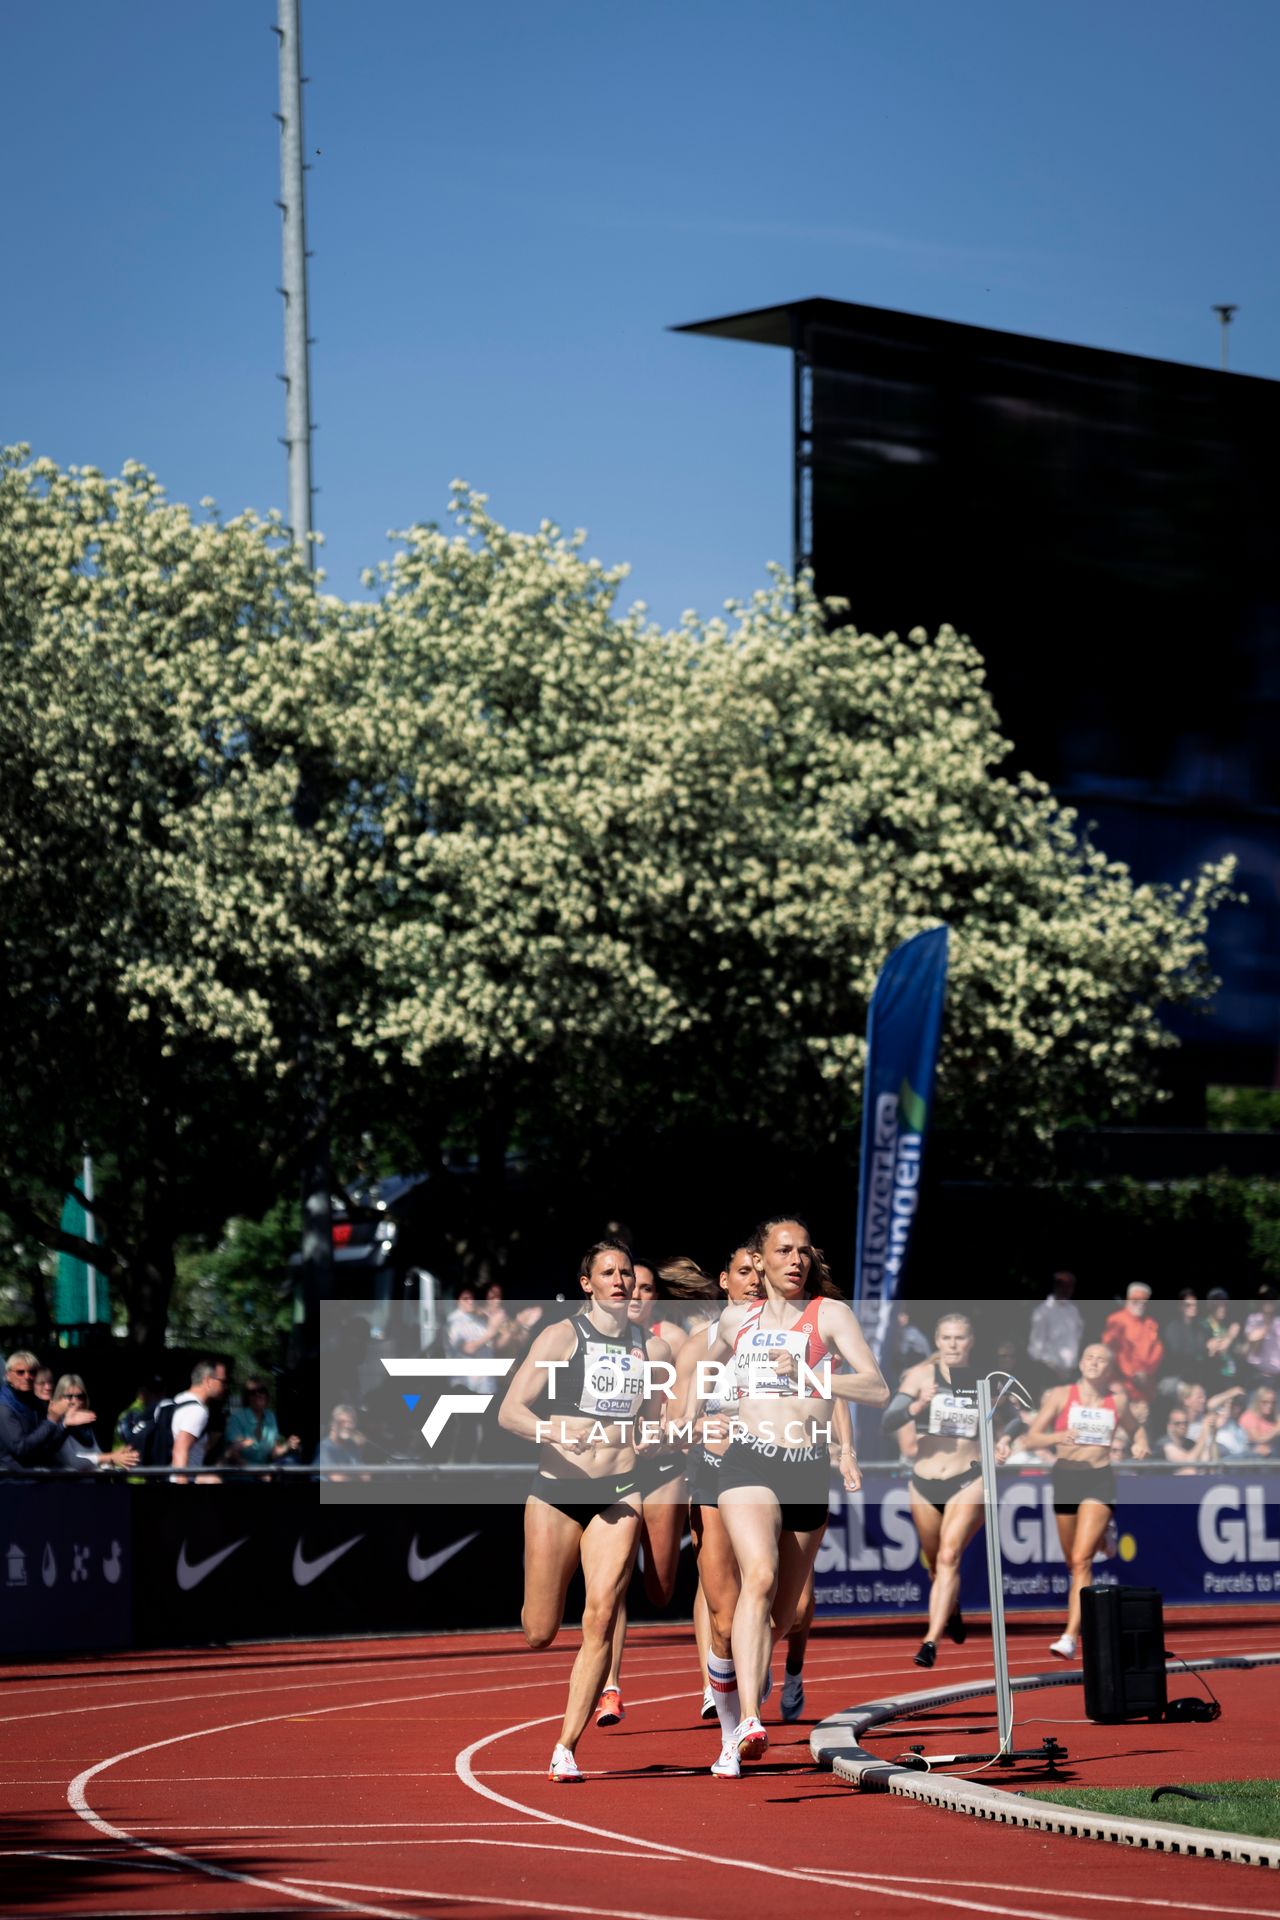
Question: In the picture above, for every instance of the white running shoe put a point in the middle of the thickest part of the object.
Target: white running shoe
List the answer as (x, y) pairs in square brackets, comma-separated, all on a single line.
[(708, 1704), (728, 1766), (564, 1767), (751, 1739), (1065, 1648), (793, 1696)]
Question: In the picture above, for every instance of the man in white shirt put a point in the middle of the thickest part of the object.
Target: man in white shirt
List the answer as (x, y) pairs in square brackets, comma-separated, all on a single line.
[(191, 1418), (1057, 1328)]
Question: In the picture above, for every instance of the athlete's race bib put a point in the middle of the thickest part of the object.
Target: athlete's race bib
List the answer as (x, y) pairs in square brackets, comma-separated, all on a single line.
[(612, 1382), (1091, 1426), (755, 1363), (953, 1416)]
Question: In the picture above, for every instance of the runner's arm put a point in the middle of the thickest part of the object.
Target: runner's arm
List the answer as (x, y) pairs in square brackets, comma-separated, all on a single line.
[(1040, 1433), (532, 1382), (865, 1383)]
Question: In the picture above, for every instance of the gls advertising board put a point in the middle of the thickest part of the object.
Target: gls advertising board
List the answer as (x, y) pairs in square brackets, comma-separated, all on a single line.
[(1200, 1541)]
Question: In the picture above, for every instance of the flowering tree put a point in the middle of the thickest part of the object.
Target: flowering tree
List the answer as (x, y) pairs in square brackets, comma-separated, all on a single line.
[(159, 918), (518, 864), (634, 864)]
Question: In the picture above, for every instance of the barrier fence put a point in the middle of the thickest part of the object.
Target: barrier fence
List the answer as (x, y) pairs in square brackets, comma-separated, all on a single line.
[(101, 1561)]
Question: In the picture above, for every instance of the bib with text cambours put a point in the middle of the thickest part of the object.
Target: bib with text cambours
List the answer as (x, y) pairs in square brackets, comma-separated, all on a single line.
[(953, 1415), (612, 1381), (757, 1376), (1091, 1426)]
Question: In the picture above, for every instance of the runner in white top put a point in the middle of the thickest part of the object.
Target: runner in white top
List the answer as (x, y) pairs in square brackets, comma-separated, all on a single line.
[(776, 1471)]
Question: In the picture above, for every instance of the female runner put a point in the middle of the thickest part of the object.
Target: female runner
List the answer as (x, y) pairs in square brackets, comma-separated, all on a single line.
[(947, 1497), (776, 1470), (662, 1472), (718, 1582), (1080, 1421), (584, 1504)]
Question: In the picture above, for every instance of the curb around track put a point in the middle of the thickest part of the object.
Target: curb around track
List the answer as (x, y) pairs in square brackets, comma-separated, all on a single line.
[(834, 1743)]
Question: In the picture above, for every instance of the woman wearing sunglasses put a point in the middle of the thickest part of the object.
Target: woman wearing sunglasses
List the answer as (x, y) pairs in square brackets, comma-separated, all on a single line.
[(80, 1451)]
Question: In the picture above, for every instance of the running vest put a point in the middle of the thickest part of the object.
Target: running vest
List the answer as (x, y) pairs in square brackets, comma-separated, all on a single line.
[(756, 1346), (952, 1413), (725, 1392), (604, 1377), (1087, 1426)]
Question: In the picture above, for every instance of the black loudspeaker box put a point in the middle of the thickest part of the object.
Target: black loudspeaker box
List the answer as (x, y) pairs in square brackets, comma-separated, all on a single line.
[(1122, 1648)]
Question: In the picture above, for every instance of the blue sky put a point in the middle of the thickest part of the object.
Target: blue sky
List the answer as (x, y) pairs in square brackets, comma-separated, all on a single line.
[(511, 204)]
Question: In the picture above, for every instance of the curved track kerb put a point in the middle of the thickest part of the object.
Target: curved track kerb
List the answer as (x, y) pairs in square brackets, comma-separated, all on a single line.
[(835, 1744)]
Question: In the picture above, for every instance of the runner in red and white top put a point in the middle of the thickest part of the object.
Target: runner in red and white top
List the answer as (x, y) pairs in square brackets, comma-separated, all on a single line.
[(775, 1475), (1079, 1422)]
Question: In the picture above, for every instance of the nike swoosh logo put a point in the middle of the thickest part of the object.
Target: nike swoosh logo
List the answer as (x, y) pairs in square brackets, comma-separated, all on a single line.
[(422, 1569), (629, 1488), (305, 1571), (191, 1573)]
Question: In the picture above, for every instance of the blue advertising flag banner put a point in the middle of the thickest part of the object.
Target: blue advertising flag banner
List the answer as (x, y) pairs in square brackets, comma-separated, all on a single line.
[(904, 1023)]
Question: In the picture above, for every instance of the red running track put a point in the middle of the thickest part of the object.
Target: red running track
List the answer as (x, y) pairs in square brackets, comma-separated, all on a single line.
[(408, 1777)]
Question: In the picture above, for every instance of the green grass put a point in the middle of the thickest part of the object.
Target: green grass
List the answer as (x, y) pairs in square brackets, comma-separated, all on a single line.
[(1241, 1806)]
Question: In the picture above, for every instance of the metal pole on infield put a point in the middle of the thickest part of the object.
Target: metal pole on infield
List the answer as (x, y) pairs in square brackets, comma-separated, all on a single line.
[(995, 1569)]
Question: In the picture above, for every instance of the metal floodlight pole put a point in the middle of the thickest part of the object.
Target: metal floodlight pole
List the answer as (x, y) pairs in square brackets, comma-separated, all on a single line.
[(316, 1181), (995, 1570), (1226, 313), (293, 209)]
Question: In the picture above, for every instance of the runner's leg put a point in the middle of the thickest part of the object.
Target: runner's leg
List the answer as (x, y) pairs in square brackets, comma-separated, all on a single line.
[(1090, 1525), (960, 1521), (753, 1521), (551, 1543), (665, 1511), (609, 1543)]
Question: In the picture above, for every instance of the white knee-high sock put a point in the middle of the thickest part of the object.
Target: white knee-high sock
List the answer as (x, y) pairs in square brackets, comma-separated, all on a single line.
[(724, 1691)]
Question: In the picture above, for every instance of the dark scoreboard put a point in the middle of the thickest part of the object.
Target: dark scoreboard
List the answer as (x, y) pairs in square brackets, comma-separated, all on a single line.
[(1106, 528)]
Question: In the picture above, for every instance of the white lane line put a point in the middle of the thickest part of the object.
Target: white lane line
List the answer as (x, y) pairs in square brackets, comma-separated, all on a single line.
[(469, 1778), (403, 1840), (77, 1796), (620, 1913), (1112, 1899), (486, 1900), (310, 1826)]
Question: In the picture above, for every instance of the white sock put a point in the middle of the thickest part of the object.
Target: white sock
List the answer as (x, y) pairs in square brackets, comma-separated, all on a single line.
[(724, 1691)]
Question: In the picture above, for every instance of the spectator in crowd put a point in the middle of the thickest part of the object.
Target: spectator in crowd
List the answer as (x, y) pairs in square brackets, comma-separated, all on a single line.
[(1134, 1340), (80, 1451), (1186, 1343), (344, 1444), (1228, 1439), (1057, 1330), (215, 1439), (42, 1385), (135, 1422), (905, 1345), (253, 1435), (508, 1333), (1212, 1420), (1262, 1342), (32, 1434), (1176, 1445), (191, 1418), (468, 1334), (1259, 1420), (1222, 1327)]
